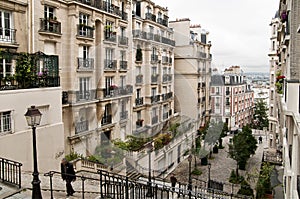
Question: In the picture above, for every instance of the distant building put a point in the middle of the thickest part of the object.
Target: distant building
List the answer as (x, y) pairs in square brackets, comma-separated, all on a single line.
[(232, 98), (192, 70)]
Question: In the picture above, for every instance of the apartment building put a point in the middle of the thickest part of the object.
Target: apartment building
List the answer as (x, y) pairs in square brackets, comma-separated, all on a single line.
[(274, 136), (232, 98), (287, 93), (26, 80), (192, 70)]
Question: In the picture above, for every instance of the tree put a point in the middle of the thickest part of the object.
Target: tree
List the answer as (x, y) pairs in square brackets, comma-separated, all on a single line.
[(260, 115), (242, 147)]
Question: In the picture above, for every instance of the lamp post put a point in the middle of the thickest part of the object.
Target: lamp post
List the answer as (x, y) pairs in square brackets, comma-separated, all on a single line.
[(33, 117), (149, 191), (190, 176), (208, 183)]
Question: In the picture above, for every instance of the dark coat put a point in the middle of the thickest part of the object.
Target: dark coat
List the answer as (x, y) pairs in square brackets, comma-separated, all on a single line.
[(68, 172)]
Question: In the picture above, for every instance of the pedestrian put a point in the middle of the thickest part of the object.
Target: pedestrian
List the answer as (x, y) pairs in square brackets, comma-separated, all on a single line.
[(173, 180), (68, 174), (260, 139)]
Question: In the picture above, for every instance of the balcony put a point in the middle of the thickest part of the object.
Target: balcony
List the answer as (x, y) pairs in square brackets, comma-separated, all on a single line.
[(201, 55), (123, 65), (139, 34), (167, 41), (167, 96), (162, 21), (107, 119), (150, 36), (123, 40), (50, 26), (85, 31), (8, 35), (81, 126), (139, 101), (154, 79), (85, 64), (164, 60), (157, 38), (154, 119), (150, 16), (85, 95), (110, 36), (114, 91), (139, 79), (124, 16), (123, 115), (155, 98), (110, 65)]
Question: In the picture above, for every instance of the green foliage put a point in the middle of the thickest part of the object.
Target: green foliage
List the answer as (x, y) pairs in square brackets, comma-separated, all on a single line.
[(73, 156), (174, 129), (263, 185), (260, 115), (131, 144), (108, 154), (242, 147), (26, 70), (234, 178), (245, 189), (197, 172)]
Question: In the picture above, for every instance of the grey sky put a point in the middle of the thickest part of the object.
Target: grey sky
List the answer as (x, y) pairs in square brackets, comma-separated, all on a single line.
[(238, 29)]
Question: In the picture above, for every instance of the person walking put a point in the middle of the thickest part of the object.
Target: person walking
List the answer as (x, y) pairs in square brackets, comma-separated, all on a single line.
[(173, 180), (68, 174)]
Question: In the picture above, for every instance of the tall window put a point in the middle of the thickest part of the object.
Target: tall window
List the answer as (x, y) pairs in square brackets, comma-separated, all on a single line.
[(83, 23), (122, 81), (49, 12), (5, 121), (5, 26), (5, 68), (108, 82), (153, 91), (108, 29), (84, 88), (154, 70)]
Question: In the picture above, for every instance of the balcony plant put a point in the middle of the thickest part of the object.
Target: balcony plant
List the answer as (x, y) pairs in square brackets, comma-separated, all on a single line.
[(139, 122), (279, 83), (113, 87), (162, 140)]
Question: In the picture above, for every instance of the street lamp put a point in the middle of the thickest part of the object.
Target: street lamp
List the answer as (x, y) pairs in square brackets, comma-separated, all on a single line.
[(190, 176), (208, 183), (149, 191), (33, 117)]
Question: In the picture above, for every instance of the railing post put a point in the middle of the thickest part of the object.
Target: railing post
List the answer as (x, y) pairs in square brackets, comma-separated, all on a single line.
[(126, 189), (101, 192), (2, 165), (83, 179), (20, 178)]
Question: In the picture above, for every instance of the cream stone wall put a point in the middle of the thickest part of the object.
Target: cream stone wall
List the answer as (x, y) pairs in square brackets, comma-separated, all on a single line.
[(17, 145)]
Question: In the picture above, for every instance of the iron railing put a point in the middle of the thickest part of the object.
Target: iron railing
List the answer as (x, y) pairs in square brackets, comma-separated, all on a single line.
[(8, 35), (10, 172), (50, 25)]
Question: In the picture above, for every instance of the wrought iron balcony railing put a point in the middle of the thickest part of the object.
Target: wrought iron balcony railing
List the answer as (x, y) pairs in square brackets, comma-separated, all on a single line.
[(123, 40), (8, 35), (139, 79), (85, 95), (123, 65), (155, 98), (110, 65), (154, 79), (81, 126), (150, 16), (154, 119), (85, 64), (139, 101), (110, 36), (84, 30), (106, 120), (50, 25)]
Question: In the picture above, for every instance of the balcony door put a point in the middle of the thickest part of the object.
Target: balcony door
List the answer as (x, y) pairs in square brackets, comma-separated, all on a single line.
[(5, 68), (83, 23)]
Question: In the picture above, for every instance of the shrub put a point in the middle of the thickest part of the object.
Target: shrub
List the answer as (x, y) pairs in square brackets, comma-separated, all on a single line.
[(245, 189), (73, 156), (197, 172)]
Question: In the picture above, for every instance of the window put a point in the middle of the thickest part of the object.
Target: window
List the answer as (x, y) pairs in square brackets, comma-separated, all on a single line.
[(153, 92), (5, 121), (122, 81), (83, 23), (84, 88), (49, 12), (5, 68), (154, 70), (5, 26), (108, 29), (109, 54), (123, 55), (138, 93)]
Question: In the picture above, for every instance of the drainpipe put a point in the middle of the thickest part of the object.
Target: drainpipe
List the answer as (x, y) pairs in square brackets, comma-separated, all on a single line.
[(31, 26)]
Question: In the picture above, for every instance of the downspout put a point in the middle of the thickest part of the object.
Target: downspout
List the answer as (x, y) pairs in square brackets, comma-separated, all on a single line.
[(31, 26)]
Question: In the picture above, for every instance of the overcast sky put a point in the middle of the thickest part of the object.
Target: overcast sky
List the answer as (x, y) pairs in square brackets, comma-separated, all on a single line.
[(238, 29)]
